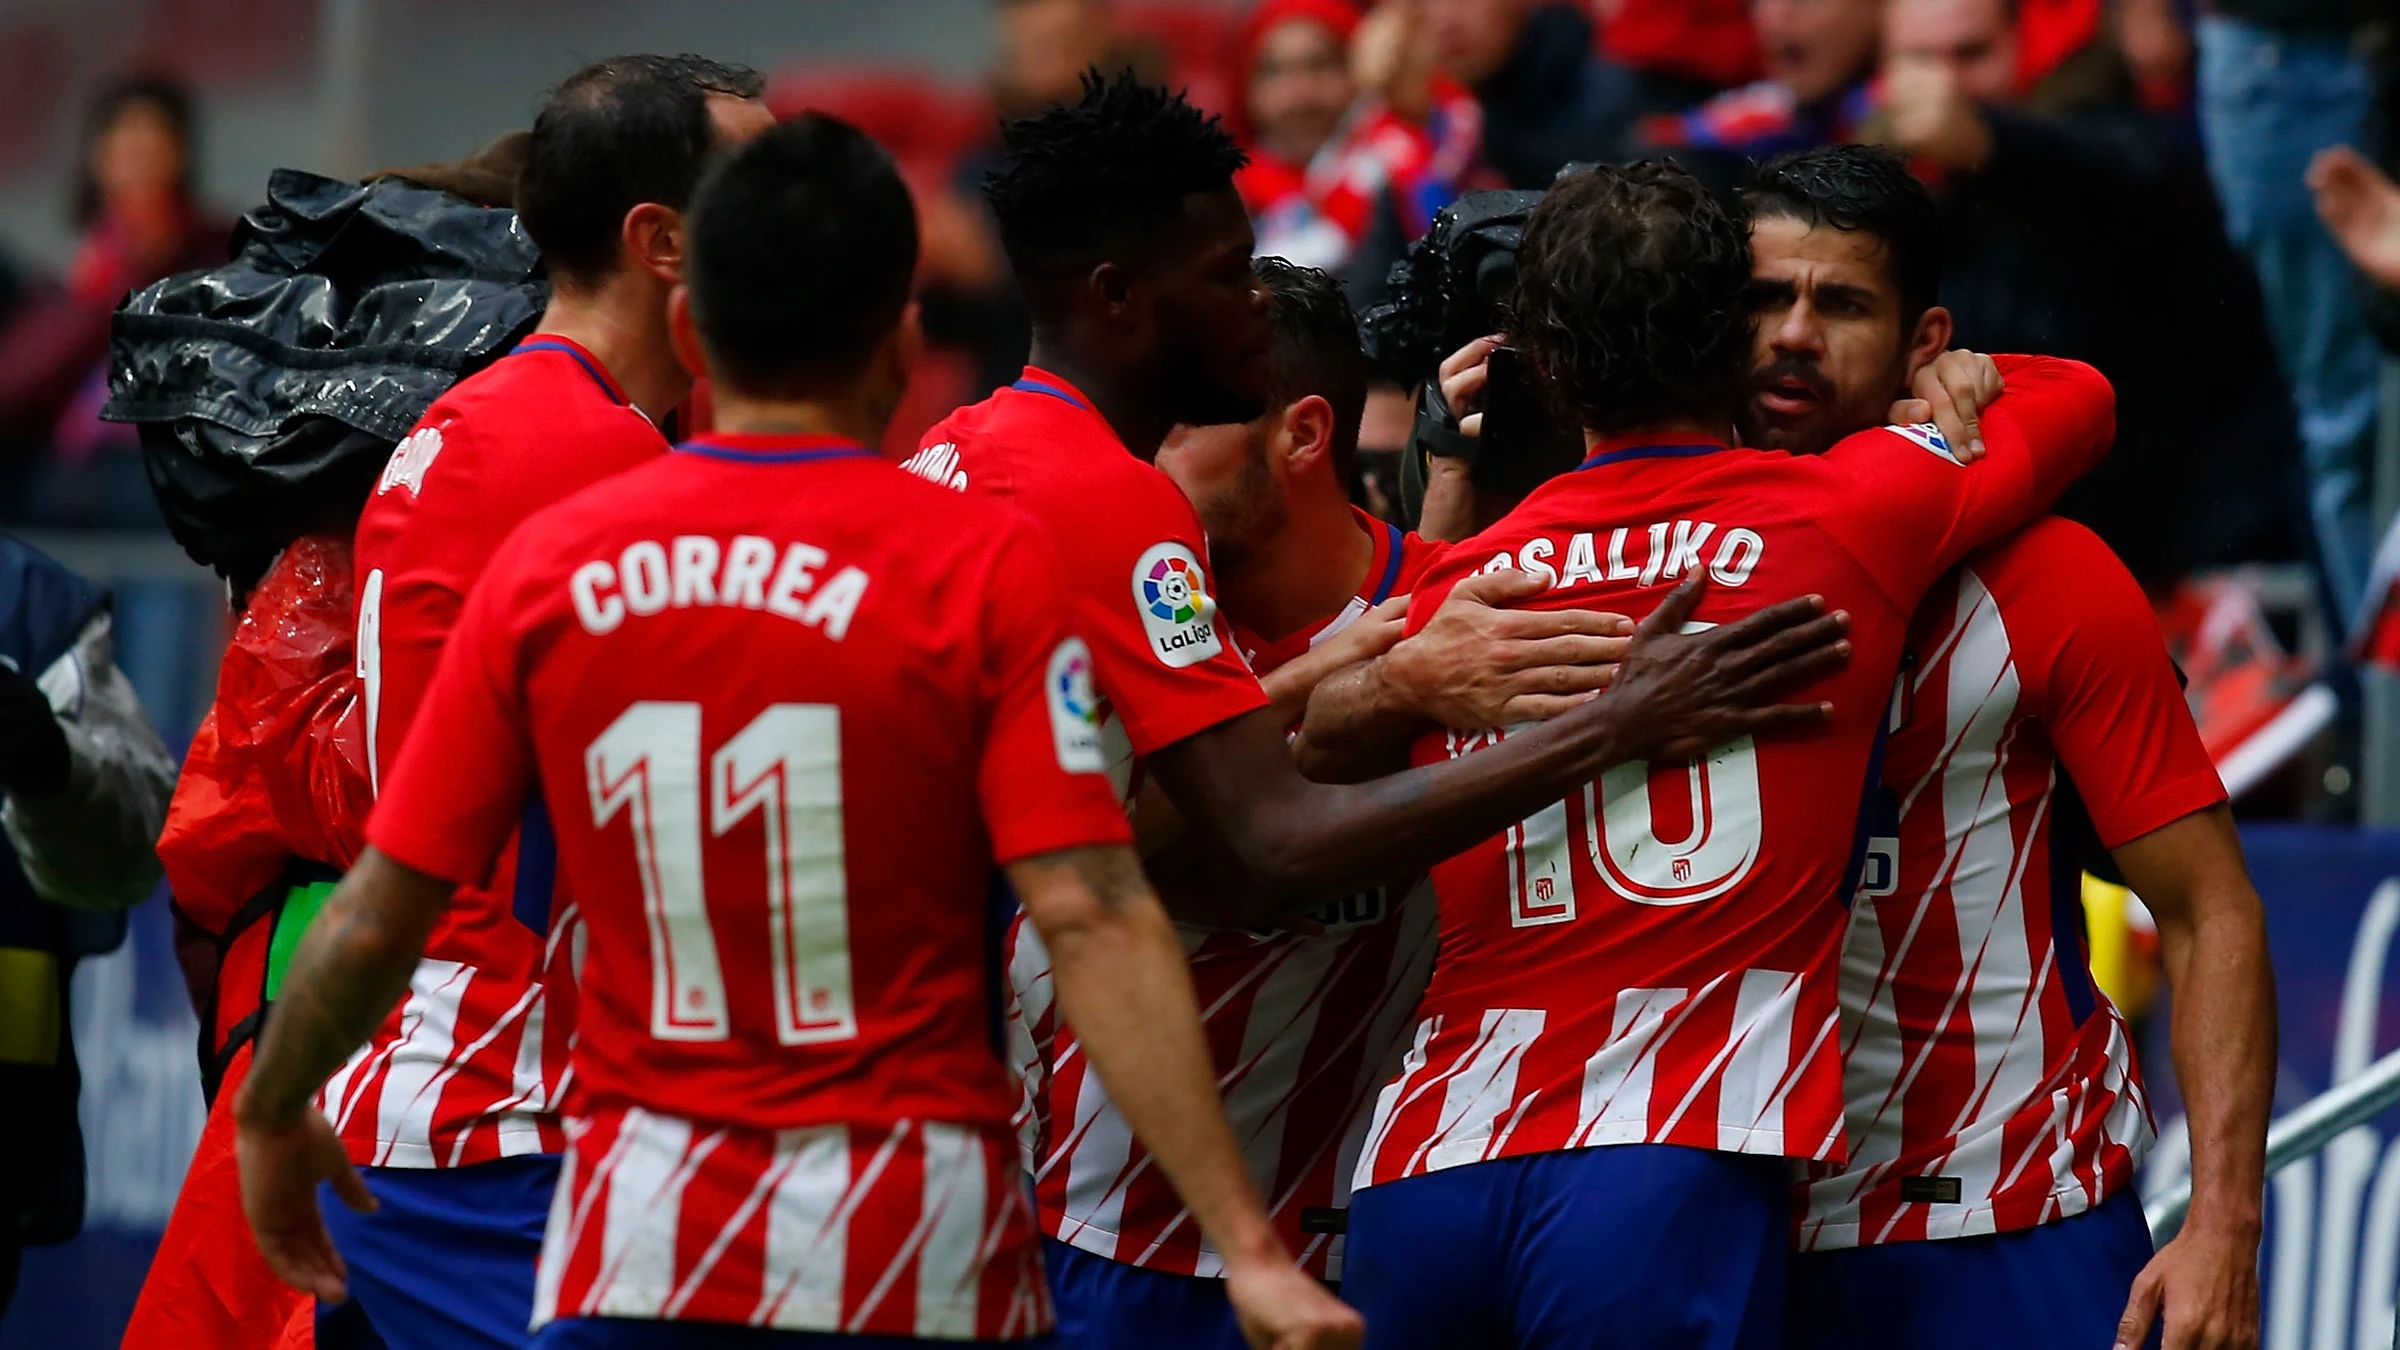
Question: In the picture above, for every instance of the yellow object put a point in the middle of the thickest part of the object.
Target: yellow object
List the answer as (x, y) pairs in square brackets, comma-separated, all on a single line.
[(2123, 945), (28, 1006)]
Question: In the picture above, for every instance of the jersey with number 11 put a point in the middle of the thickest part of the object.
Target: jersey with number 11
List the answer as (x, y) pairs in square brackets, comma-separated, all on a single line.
[(1652, 959), (788, 705)]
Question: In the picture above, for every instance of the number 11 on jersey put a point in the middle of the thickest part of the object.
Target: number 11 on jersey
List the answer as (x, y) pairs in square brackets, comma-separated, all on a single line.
[(785, 765)]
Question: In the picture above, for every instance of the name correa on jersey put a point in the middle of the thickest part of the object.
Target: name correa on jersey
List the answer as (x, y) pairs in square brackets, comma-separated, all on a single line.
[(697, 569)]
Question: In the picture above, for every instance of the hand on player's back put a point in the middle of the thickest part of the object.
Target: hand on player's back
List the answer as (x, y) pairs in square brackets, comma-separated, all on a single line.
[(1683, 694), (1478, 665), (1281, 1308), (1951, 392)]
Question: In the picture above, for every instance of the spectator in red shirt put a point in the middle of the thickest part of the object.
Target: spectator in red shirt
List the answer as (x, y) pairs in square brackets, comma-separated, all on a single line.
[(1819, 56), (1346, 145), (135, 206)]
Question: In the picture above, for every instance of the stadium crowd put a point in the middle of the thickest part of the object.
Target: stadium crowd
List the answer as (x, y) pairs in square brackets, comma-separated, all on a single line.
[(1499, 886)]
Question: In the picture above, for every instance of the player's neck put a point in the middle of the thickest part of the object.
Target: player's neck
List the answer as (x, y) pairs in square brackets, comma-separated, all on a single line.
[(623, 324), (1305, 575), (1696, 429), (1124, 403), (742, 414)]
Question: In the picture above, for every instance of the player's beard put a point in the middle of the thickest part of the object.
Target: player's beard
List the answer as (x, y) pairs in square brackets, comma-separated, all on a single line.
[(1244, 515), (1834, 414)]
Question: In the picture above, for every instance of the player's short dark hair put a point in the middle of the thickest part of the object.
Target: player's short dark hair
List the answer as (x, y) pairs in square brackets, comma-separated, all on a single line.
[(799, 255), (1316, 350), (1860, 187), (1632, 296), (1097, 180), (611, 136)]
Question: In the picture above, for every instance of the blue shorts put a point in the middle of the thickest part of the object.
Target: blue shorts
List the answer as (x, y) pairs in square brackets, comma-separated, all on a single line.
[(2062, 1284), (1627, 1247), (1109, 1305), (446, 1263), (625, 1333)]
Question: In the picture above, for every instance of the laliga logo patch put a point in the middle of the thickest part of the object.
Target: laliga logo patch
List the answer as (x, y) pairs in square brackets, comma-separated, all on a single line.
[(1074, 708), (1176, 610), (1927, 435)]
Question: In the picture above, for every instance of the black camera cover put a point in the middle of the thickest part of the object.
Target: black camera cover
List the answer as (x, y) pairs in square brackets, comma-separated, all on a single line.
[(269, 392)]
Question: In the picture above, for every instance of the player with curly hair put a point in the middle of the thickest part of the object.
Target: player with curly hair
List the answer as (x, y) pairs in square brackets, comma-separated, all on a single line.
[(1632, 1023)]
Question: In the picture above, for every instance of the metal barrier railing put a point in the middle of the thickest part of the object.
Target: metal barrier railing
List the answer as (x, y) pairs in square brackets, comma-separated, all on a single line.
[(2299, 1134)]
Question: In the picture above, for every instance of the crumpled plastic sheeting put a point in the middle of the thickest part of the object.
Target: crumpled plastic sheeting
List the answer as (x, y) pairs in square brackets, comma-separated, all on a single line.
[(269, 391), (279, 767)]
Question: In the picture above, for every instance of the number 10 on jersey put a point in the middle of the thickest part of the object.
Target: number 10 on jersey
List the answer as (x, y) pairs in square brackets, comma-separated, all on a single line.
[(786, 766)]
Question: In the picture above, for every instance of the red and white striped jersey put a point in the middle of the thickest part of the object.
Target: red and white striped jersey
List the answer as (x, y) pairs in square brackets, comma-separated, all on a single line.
[(1990, 1086), (1302, 1030), (912, 1229), (1653, 959), (473, 1063), (790, 706)]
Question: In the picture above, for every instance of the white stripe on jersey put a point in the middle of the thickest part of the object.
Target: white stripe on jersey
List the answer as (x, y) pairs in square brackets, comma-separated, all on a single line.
[(421, 1062), (1617, 1078), (807, 1231), (1480, 1089), (951, 1236)]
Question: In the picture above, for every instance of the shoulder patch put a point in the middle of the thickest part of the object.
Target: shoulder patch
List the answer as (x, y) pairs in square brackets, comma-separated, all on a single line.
[(938, 464), (1925, 434), (1172, 596), (1074, 708)]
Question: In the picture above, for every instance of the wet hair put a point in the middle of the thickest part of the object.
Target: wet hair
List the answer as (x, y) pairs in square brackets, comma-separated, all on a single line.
[(1102, 179), (163, 94), (1632, 296), (611, 136), (801, 248), (1316, 351), (1860, 188)]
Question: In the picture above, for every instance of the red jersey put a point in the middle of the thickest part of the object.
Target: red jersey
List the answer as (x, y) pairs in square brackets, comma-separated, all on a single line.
[(1302, 1030), (1652, 960), (1991, 1086), (789, 706), (471, 1066)]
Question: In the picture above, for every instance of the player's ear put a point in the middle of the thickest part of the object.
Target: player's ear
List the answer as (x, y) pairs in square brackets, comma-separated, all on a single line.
[(1308, 432), (1935, 328), (684, 332), (1111, 287), (652, 236)]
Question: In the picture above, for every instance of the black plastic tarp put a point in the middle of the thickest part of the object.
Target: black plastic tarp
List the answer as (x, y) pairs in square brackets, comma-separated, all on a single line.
[(270, 391)]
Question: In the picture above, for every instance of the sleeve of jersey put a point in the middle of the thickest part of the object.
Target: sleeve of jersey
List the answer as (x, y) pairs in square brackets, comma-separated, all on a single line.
[(1146, 606), (456, 794), (2114, 708), (1043, 780), (1916, 511)]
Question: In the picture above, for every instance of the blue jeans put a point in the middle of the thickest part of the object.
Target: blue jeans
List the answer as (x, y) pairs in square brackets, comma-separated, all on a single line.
[(1627, 1247), (2269, 101), (2062, 1284)]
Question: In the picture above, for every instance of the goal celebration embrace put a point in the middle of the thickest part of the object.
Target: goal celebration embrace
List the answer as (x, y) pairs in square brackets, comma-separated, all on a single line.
[(790, 835)]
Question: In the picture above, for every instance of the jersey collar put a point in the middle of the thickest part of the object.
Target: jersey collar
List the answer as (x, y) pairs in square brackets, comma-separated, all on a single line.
[(1036, 380), (1383, 576), (773, 447), (1673, 445), (576, 351)]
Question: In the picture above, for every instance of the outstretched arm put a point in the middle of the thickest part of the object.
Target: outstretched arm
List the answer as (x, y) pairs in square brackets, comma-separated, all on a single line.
[(352, 967), (2212, 932), (1123, 985), (1676, 695)]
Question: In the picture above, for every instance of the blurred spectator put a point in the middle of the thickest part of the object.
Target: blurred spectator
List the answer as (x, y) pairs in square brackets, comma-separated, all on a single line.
[(2360, 204), (1819, 56), (1708, 41), (83, 788), (2280, 80), (1342, 145), (134, 203), (2090, 234), (1548, 97)]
